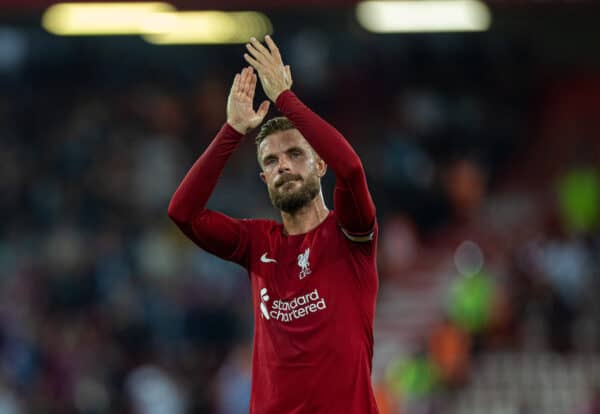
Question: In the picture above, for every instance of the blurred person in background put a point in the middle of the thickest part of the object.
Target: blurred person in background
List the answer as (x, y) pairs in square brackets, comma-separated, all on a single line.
[(450, 348), (314, 278), (593, 407), (234, 381), (153, 392)]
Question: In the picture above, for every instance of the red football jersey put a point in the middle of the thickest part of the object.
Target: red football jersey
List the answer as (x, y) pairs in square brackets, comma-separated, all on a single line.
[(314, 294), (314, 301)]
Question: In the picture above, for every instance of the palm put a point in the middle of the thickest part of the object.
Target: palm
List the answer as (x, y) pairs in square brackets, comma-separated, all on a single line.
[(241, 108), (240, 112)]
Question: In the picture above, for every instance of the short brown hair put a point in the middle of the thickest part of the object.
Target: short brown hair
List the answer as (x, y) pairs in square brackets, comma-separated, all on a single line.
[(280, 123)]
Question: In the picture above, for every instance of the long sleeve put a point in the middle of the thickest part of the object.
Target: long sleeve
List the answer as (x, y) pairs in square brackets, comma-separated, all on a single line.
[(213, 231), (352, 200)]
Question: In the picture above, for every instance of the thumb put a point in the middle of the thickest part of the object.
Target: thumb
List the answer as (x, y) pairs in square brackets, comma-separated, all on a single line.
[(263, 109)]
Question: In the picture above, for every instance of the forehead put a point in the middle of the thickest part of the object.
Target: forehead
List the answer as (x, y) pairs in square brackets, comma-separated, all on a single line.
[(281, 141)]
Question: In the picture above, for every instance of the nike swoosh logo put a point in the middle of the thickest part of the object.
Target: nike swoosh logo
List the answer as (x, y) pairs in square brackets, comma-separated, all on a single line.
[(265, 259)]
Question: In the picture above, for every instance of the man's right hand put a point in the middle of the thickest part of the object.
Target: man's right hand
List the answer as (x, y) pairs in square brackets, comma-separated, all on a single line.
[(240, 112)]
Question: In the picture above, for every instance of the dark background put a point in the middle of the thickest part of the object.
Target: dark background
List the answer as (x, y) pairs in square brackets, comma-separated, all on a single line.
[(482, 153)]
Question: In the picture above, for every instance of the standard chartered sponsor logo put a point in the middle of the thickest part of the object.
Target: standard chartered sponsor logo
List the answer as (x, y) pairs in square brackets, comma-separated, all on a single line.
[(291, 310)]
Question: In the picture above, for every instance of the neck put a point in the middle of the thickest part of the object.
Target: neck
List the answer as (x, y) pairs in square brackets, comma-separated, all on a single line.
[(307, 218)]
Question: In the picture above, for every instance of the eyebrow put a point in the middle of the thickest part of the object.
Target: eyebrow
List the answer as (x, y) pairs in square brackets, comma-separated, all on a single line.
[(295, 148), (290, 149)]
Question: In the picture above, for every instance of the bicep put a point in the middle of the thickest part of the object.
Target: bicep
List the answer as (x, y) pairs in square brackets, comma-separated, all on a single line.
[(354, 205), (220, 235)]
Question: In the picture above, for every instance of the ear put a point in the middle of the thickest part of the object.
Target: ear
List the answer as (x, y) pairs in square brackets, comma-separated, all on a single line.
[(262, 177), (321, 167)]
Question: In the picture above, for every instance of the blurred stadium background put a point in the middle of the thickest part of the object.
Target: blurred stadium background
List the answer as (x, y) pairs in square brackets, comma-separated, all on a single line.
[(482, 150)]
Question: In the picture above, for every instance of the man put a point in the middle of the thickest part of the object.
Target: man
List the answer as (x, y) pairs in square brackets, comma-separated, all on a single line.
[(314, 279)]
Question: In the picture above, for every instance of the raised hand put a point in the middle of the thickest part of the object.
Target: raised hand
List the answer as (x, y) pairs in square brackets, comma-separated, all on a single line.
[(240, 112), (275, 77)]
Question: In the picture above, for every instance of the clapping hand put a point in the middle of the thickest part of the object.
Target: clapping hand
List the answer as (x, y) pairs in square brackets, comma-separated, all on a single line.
[(275, 77), (240, 112)]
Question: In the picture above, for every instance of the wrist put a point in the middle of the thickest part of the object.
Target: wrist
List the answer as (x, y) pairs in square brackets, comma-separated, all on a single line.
[(280, 98), (242, 129), (277, 94)]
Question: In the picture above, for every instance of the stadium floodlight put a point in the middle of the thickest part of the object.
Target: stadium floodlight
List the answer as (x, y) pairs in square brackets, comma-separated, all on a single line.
[(76, 19), (423, 16), (159, 23), (215, 27)]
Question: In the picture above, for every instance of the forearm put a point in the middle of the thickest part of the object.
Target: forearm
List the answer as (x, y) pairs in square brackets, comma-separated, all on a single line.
[(352, 200), (194, 191), (327, 141)]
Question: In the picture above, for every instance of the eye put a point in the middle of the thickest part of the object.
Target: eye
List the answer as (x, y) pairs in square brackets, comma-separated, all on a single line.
[(296, 153), (269, 161)]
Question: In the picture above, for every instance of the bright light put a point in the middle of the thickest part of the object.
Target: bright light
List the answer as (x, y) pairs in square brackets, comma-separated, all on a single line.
[(159, 23), (69, 19), (210, 27), (423, 16)]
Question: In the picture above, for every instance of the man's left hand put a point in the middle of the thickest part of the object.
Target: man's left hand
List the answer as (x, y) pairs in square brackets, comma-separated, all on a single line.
[(275, 77)]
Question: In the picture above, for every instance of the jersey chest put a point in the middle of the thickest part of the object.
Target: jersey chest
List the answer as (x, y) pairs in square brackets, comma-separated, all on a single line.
[(292, 268), (298, 280)]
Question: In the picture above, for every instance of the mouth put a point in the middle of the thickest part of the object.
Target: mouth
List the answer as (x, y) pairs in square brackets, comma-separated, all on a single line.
[(287, 181), (288, 184)]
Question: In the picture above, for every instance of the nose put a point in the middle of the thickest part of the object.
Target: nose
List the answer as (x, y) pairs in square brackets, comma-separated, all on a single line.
[(284, 165)]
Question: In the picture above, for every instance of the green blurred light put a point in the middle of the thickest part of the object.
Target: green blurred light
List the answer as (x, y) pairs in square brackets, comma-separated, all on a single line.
[(579, 199), (412, 378), (471, 299)]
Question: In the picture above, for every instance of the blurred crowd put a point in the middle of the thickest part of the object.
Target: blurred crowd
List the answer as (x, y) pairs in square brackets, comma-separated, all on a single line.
[(478, 161), (514, 271)]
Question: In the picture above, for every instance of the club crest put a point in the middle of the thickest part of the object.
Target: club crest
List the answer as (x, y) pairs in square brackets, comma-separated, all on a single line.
[(304, 264)]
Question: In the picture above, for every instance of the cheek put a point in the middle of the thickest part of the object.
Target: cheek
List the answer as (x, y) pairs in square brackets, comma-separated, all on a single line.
[(312, 167), (269, 177)]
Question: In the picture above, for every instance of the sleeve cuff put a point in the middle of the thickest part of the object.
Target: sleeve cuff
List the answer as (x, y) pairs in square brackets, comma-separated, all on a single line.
[(283, 97), (230, 131)]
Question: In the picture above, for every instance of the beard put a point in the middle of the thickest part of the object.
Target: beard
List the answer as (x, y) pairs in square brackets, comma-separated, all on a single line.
[(292, 201)]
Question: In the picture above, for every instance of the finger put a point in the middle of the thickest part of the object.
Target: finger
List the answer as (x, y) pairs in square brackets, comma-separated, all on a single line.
[(273, 47), (257, 65), (240, 86), (260, 57), (246, 80), (263, 109), (251, 75), (236, 83), (288, 71), (252, 87), (261, 49)]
